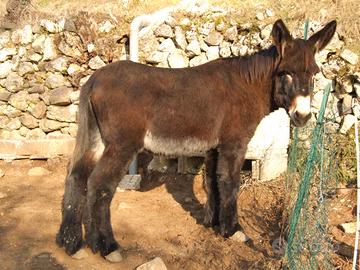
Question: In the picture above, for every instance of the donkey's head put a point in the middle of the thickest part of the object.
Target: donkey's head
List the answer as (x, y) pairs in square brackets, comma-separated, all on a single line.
[(294, 74)]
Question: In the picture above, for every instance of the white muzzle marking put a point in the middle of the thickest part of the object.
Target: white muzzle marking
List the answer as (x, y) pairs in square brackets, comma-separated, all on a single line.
[(302, 105)]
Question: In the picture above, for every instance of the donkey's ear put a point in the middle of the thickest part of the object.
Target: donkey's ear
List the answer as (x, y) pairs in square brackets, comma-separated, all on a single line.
[(321, 38), (281, 36)]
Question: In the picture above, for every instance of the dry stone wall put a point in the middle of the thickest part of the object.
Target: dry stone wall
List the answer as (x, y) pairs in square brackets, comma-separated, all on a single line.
[(42, 66)]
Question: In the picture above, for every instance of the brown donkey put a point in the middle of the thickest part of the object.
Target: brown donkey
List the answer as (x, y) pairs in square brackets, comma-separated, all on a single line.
[(212, 108)]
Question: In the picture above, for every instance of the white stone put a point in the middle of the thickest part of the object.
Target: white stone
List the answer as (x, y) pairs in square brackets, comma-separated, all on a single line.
[(178, 59), (114, 256), (90, 47), (269, 12), (349, 56), (35, 57), (38, 171), (50, 26), (157, 57), (5, 38), (348, 227), (266, 32), (73, 68), (16, 36), (6, 53), (49, 49), (212, 53), (349, 121), (38, 44), (27, 35), (167, 45), (193, 48), (96, 63), (106, 27), (5, 69), (180, 39), (59, 64), (155, 264), (260, 16), (240, 236), (198, 60), (84, 80)]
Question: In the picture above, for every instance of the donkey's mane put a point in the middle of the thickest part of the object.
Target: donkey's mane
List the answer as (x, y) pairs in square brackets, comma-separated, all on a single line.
[(253, 68)]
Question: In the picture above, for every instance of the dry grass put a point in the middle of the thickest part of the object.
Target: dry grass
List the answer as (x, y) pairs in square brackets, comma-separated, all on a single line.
[(347, 12)]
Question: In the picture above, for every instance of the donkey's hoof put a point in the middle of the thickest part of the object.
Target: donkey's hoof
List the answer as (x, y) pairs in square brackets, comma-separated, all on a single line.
[(114, 256), (71, 240), (80, 254)]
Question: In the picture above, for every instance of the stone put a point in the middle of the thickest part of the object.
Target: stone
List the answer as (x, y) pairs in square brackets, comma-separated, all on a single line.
[(148, 44), (155, 264), (29, 121), (114, 256), (349, 56), (84, 80), (74, 96), (180, 39), (16, 36), (48, 125), (73, 128), (212, 53), (13, 124), (214, 38), (106, 27), (38, 171), (346, 105), (269, 12), (39, 110), (5, 69), (96, 63), (231, 33), (220, 26), (10, 111), (225, 50), (167, 45), (55, 80), (7, 53), (59, 64), (62, 113), (38, 88), (348, 227), (4, 95), (35, 134), (35, 57), (23, 131), (198, 60), (73, 68), (157, 57), (349, 121), (357, 89), (27, 35), (260, 16), (50, 52), (193, 48), (60, 96), (206, 28), (266, 32), (70, 51), (39, 44), (244, 50), (5, 38), (178, 59), (240, 236), (4, 120), (90, 47), (27, 67), (164, 30), (51, 26), (19, 100)]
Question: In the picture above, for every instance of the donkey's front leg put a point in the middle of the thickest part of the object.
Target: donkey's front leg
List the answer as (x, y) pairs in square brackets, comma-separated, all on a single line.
[(230, 161), (102, 184)]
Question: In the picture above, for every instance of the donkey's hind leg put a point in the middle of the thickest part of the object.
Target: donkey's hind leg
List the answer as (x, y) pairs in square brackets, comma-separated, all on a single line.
[(102, 184), (70, 232), (211, 217)]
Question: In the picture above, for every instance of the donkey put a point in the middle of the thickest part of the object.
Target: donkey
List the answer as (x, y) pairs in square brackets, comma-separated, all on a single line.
[(214, 108)]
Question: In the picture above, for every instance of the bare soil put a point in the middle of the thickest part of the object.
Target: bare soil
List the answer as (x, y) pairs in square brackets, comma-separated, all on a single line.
[(162, 219)]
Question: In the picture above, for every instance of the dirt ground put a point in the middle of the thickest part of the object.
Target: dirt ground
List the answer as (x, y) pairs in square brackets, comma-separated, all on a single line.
[(162, 219)]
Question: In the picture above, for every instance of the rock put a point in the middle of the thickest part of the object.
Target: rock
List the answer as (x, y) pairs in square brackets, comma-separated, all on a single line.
[(212, 53), (266, 32), (73, 68), (38, 171), (2, 194), (349, 56), (193, 48), (39, 44), (80, 254), (191, 35), (155, 264), (214, 38), (13, 124), (27, 67), (60, 96), (51, 27), (10, 111), (96, 63), (2, 173), (5, 38), (178, 59), (346, 105), (239, 236), (23, 131), (320, 82), (35, 134), (269, 12), (48, 125), (225, 50), (148, 44), (35, 57), (114, 256), (157, 57), (344, 86), (38, 88), (62, 113), (164, 30), (50, 52), (73, 128), (106, 27), (349, 121), (4, 120), (4, 95), (317, 99), (90, 47), (84, 80), (39, 110), (27, 35), (29, 121), (74, 96), (6, 53), (180, 39), (16, 36), (348, 227), (260, 16), (231, 33), (167, 45), (206, 28), (55, 80), (5, 69), (19, 100), (69, 50), (357, 89), (198, 60), (59, 64)]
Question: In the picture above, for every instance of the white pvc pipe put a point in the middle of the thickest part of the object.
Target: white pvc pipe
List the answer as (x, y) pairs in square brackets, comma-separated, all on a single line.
[(356, 246)]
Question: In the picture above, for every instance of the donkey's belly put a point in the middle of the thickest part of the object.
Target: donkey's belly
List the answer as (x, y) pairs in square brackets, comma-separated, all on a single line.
[(169, 146)]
